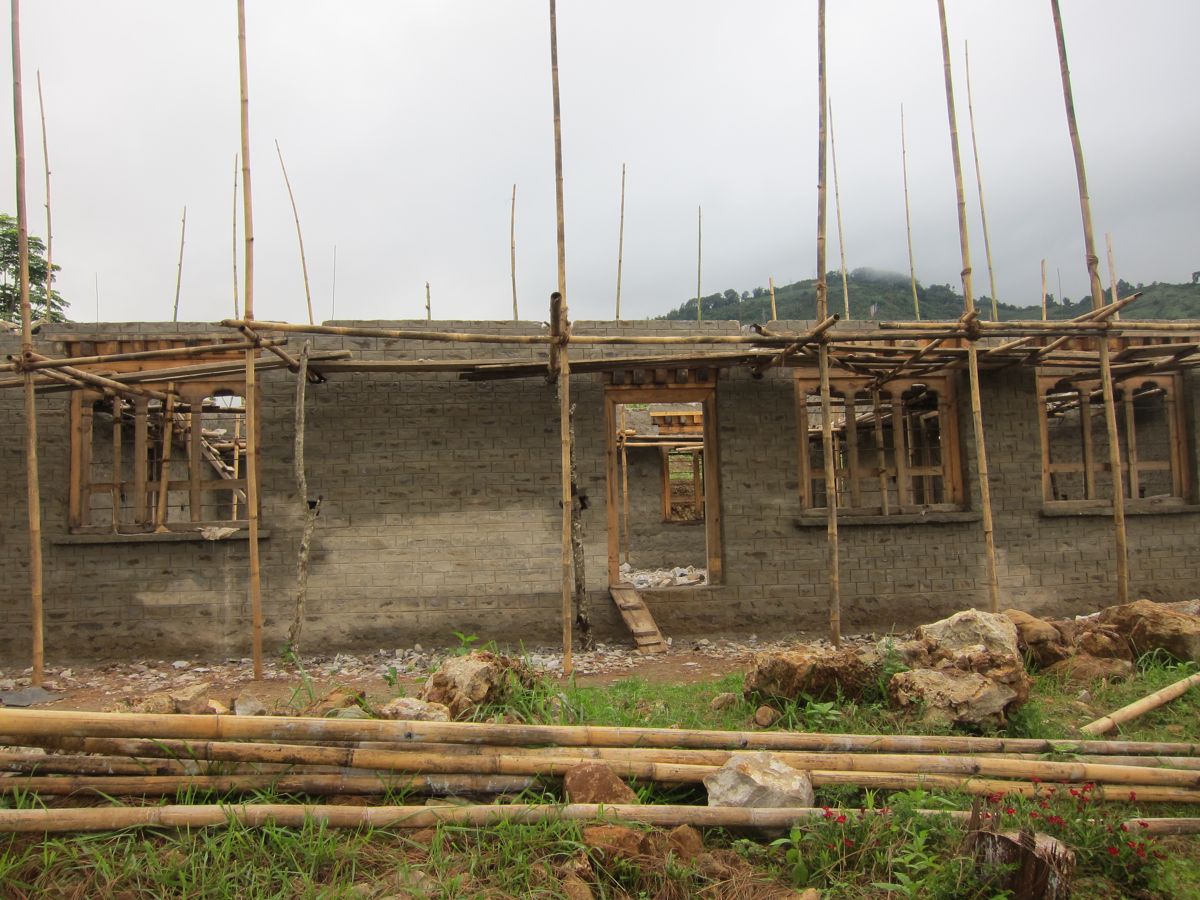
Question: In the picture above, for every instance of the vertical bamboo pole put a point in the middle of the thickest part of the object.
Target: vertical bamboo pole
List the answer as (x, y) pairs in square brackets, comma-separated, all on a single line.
[(1045, 311), (32, 486), (774, 312), (49, 230), (237, 464), (625, 485), (985, 492), (428, 304), (118, 406), (987, 244), (912, 266), (299, 233), (512, 245), (333, 287), (236, 314), (621, 242), (1112, 274), (179, 269), (699, 257), (256, 614), (164, 467), (1093, 267), (561, 319), (831, 523), (837, 205)]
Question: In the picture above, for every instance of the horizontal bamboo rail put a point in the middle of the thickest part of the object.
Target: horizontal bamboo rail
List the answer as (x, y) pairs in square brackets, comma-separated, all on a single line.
[(1140, 707), (26, 722), (260, 325), (44, 821), (167, 353), (106, 384), (298, 783)]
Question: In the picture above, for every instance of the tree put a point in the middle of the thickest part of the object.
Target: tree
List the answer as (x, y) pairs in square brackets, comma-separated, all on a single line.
[(10, 288)]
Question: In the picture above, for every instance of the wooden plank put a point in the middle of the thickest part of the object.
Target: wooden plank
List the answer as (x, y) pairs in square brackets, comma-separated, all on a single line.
[(1180, 486), (638, 620), (140, 431), (1131, 454), (903, 496), (806, 491), (118, 406)]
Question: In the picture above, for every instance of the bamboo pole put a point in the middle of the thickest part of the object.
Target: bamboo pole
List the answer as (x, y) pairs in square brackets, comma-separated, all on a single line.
[(45, 362), (255, 585), (33, 498), (428, 304), (26, 722), (987, 244), (1093, 268), (831, 523), (912, 266), (981, 464), (1112, 273), (837, 205), (699, 258), (283, 783), (299, 234), (236, 313), (559, 316), (512, 242), (179, 269), (774, 312), (46, 314), (1140, 707), (164, 470), (1045, 311), (621, 242)]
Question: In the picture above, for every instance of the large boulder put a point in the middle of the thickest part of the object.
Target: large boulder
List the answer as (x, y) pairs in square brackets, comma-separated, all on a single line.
[(1082, 669), (1152, 626), (758, 780), (969, 630), (463, 683), (952, 696), (812, 671)]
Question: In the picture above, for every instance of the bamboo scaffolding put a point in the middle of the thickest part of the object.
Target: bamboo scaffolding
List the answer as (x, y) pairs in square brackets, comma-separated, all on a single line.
[(1045, 311), (831, 499), (1093, 266), (837, 205), (774, 312), (179, 270), (621, 243), (236, 313), (46, 362), (512, 242), (699, 258), (255, 585), (1092, 315), (46, 313), (1140, 707), (561, 322), (1112, 272), (33, 498), (912, 266), (981, 464), (299, 234), (987, 243), (428, 304)]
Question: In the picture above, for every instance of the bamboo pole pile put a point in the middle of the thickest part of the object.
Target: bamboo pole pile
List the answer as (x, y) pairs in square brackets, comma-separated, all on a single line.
[(64, 757)]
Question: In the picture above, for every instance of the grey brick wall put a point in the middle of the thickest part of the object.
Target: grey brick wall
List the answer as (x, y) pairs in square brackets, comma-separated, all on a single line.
[(441, 514)]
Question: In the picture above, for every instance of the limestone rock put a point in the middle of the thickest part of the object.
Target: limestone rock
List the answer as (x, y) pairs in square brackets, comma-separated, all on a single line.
[(766, 716), (217, 708), (193, 699), (758, 780), (575, 888), (413, 710), (1105, 642), (1083, 669), (968, 630), (156, 704), (685, 842), (594, 782), (338, 698), (464, 682), (723, 701), (248, 705), (813, 671), (953, 697), (1152, 626)]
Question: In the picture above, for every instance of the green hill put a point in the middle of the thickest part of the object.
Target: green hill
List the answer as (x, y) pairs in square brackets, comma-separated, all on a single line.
[(888, 296)]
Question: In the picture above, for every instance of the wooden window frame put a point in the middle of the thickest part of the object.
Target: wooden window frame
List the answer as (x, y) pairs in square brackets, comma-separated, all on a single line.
[(668, 497), (900, 473), (145, 483), (616, 395), (1092, 463)]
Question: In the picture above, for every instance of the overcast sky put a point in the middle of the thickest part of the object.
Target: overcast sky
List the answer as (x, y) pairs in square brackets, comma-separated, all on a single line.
[(404, 126)]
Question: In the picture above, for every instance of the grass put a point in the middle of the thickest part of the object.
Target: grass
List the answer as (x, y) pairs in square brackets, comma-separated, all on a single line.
[(896, 855)]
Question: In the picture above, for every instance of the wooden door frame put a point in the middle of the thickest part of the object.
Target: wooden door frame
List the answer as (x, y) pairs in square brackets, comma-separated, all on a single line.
[(615, 395)]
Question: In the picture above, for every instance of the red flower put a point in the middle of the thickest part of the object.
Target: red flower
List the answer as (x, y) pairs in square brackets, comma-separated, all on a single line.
[(828, 814), (1113, 851), (1143, 823), (1033, 815), (848, 842), (1132, 796), (1009, 811), (1056, 820), (840, 819), (1036, 780), (1124, 827)]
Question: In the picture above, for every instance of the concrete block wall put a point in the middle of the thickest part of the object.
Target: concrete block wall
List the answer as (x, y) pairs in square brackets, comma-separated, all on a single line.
[(441, 513)]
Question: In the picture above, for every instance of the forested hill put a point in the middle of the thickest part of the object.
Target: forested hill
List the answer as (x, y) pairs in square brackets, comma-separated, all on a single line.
[(888, 296)]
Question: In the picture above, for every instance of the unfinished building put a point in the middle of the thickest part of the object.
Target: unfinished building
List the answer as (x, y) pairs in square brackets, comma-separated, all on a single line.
[(700, 479)]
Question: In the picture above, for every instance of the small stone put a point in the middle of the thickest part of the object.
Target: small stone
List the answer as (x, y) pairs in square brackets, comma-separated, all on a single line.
[(338, 698), (1082, 669), (413, 710), (180, 664), (248, 705), (594, 782), (155, 704), (575, 888), (348, 712), (723, 701), (217, 708), (193, 699), (618, 842), (766, 716)]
